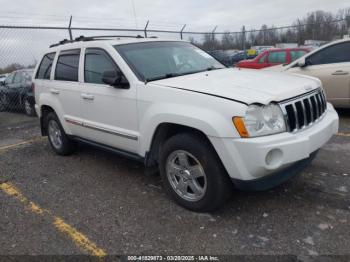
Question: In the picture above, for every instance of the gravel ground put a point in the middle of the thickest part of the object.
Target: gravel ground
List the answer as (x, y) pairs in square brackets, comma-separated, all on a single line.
[(121, 210)]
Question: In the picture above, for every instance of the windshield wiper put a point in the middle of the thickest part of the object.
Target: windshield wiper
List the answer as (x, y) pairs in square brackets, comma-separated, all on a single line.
[(169, 75), (213, 68)]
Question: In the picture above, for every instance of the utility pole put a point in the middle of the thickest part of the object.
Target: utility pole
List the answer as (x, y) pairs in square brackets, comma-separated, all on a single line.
[(243, 43), (213, 37), (134, 10)]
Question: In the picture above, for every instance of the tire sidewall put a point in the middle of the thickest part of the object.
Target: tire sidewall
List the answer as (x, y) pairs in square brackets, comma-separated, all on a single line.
[(212, 167), (66, 144), (31, 112), (3, 105)]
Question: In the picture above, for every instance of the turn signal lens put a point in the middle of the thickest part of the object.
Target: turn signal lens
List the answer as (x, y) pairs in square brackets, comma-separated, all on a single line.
[(239, 124)]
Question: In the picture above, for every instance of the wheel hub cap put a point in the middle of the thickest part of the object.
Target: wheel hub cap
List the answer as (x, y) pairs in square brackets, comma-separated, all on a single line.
[(186, 175), (55, 134)]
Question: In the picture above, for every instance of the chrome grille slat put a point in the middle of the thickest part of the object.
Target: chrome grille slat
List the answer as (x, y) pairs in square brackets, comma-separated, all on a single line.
[(311, 110), (304, 111), (324, 101), (296, 116), (321, 103), (318, 113)]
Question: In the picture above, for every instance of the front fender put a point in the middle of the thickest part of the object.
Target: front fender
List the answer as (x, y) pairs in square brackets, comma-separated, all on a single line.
[(210, 122)]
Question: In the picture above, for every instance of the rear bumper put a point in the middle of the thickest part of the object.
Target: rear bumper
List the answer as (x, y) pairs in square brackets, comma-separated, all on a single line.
[(37, 110), (254, 158)]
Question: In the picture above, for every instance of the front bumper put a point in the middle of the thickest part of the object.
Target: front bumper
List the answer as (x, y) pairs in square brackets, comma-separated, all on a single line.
[(275, 179), (254, 158)]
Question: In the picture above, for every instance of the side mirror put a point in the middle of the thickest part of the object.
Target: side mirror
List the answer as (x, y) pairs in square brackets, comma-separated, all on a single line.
[(302, 63), (115, 79)]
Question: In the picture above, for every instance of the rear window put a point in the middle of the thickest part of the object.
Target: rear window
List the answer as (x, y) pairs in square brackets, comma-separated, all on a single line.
[(44, 70), (67, 65)]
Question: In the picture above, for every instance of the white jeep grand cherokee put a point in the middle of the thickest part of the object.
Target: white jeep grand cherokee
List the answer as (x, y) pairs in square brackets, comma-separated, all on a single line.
[(174, 107)]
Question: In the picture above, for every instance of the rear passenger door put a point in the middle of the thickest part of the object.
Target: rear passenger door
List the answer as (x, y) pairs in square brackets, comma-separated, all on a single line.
[(277, 57), (66, 89), (109, 113)]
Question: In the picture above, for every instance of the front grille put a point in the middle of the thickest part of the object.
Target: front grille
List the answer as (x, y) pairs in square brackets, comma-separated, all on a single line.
[(303, 111)]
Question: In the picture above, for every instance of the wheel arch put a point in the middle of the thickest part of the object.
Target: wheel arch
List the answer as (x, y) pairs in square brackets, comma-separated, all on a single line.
[(44, 110), (162, 133)]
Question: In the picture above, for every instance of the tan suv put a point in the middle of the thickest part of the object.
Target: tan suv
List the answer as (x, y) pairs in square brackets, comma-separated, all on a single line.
[(331, 64)]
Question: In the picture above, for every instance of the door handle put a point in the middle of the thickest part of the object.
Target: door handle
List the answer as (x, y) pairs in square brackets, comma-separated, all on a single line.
[(340, 73), (54, 91), (87, 96)]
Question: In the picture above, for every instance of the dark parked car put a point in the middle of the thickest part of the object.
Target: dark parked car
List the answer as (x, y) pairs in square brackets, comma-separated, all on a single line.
[(16, 92), (239, 57), (222, 56), (2, 79)]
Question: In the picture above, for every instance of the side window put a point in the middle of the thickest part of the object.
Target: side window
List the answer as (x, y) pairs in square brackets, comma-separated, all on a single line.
[(338, 53), (262, 59), (68, 65), (277, 57), (18, 78), (44, 70), (97, 61), (27, 77), (9, 79), (295, 54)]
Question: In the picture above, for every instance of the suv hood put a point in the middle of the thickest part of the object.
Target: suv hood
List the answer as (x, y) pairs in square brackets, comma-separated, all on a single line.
[(244, 85)]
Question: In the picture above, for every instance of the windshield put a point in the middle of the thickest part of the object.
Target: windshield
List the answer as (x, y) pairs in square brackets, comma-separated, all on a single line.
[(158, 60)]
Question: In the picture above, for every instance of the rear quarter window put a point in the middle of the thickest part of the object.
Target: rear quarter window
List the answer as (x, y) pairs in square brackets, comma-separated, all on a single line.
[(44, 70)]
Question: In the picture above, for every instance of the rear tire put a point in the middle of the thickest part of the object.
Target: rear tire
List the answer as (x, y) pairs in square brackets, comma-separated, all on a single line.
[(193, 174), (3, 102), (58, 139), (28, 107)]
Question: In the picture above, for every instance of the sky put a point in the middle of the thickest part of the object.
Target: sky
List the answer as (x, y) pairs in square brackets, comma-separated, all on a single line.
[(169, 14), (26, 46)]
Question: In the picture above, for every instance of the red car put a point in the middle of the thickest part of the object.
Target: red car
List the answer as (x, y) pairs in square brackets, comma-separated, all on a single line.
[(273, 57)]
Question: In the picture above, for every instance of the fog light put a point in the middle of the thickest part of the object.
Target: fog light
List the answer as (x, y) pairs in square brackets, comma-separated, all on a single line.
[(274, 158)]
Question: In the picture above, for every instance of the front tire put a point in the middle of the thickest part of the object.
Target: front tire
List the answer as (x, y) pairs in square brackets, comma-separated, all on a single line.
[(58, 139), (193, 174)]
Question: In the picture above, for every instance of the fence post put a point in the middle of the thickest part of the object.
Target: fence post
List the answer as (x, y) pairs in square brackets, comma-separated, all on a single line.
[(145, 30), (213, 37), (243, 42), (70, 28), (299, 33), (182, 29)]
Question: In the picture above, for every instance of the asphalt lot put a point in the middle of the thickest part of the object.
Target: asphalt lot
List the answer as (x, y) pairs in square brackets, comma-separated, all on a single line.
[(95, 202)]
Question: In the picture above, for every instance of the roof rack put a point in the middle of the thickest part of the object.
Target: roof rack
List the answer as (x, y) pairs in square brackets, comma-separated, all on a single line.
[(92, 38), (62, 42)]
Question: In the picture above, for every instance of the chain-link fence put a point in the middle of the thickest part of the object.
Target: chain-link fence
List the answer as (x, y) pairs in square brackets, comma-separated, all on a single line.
[(21, 47)]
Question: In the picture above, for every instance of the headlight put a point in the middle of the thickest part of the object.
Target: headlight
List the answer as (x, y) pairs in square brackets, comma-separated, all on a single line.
[(261, 121)]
